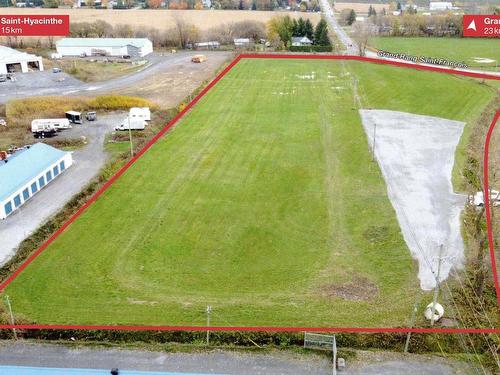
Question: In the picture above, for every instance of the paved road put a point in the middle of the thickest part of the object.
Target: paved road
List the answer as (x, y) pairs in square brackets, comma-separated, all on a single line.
[(47, 83), (350, 46), (221, 362), (87, 163)]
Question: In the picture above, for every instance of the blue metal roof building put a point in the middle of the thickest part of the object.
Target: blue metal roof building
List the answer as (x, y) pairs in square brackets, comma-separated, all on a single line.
[(26, 172)]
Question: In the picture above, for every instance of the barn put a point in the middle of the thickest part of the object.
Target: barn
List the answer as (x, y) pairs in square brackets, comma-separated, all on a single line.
[(133, 47), (12, 61), (26, 172)]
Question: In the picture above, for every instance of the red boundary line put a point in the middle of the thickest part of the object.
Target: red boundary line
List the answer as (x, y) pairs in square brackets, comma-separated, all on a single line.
[(167, 127), (486, 195)]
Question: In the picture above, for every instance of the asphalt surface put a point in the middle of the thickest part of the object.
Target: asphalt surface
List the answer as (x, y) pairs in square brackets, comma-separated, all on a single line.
[(350, 46), (86, 164), (47, 83), (416, 155), (219, 361)]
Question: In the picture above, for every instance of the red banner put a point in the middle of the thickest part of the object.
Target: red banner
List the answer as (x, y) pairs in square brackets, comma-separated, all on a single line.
[(34, 25), (485, 26)]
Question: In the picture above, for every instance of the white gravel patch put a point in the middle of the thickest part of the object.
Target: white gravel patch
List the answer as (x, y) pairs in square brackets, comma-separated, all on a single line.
[(416, 155)]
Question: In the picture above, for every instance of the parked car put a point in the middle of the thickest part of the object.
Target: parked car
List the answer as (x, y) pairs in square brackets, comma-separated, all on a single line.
[(91, 116), (56, 70), (199, 58), (3, 77), (3, 122)]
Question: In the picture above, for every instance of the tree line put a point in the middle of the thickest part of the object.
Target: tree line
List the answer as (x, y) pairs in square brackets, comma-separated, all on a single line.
[(281, 30), (409, 23)]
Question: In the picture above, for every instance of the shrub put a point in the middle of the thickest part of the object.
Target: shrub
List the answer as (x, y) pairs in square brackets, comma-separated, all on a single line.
[(311, 48)]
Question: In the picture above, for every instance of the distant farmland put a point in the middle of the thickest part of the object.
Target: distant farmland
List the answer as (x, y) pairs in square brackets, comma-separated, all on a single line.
[(263, 202), (163, 19)]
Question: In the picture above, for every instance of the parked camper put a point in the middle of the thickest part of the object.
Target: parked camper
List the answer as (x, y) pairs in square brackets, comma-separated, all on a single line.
[(58, 123), (143, 113), (55, 56), (42, 129), (74, 117), (132, 124)]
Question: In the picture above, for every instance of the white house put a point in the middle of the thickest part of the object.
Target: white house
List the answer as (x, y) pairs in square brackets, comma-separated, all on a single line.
[(28, 171), (440, 5), (241, 42), (15, 61), (133, 47), (301, 41)]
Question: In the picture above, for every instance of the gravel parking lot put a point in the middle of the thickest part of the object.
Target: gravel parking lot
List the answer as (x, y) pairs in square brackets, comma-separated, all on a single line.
[(176, 71), (87, 163), (416, 155)]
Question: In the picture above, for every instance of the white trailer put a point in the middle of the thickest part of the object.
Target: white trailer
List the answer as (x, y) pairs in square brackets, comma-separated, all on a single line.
[(41, 129), (142, 113), (59, 123), (132, 124)]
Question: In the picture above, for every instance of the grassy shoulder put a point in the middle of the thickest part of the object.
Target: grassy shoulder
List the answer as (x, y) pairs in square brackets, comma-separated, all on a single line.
[(479, 53)]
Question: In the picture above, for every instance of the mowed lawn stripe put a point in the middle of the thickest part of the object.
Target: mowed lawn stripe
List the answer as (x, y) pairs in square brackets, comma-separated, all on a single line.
[(263, 202)]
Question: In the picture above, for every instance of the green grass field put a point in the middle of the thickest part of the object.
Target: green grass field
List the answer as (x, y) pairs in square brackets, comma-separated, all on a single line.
[(263, 202), (455, 49)]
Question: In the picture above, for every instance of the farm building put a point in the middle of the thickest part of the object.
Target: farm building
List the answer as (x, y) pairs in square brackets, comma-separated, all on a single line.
[(26, 172), (301, 41), (12, 61), (440, 5), (241, 42), (133, 47)]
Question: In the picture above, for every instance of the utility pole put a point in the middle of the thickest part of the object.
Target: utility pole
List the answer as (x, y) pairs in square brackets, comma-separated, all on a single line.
[(436, 289), (130, 138), (9, 306), (209, 310), (413, 317), (374, 140)]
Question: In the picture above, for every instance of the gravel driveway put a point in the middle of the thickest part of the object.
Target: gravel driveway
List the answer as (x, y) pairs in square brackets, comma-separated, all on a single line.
[(87, 163), (47, 83), (416, 155)]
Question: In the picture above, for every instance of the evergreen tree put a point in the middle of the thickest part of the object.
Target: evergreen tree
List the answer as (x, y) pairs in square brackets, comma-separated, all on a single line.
[(351, 18), (295, 28), (241, 5), (301, 27), (308, 29), (398, 7), (384, 12), (254, 5), (321, 34)]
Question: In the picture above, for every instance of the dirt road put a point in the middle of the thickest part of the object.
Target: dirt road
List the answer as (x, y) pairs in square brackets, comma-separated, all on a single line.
[(166, 78)]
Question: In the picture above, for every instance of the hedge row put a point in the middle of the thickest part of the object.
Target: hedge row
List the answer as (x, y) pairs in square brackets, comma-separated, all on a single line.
[(311, 48)]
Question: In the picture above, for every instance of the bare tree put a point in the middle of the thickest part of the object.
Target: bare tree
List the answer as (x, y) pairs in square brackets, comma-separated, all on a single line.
[(186, 32), (362, 33)]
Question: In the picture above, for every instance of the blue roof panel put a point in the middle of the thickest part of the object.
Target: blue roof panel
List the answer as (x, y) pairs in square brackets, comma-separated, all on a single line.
[(24, 165)]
